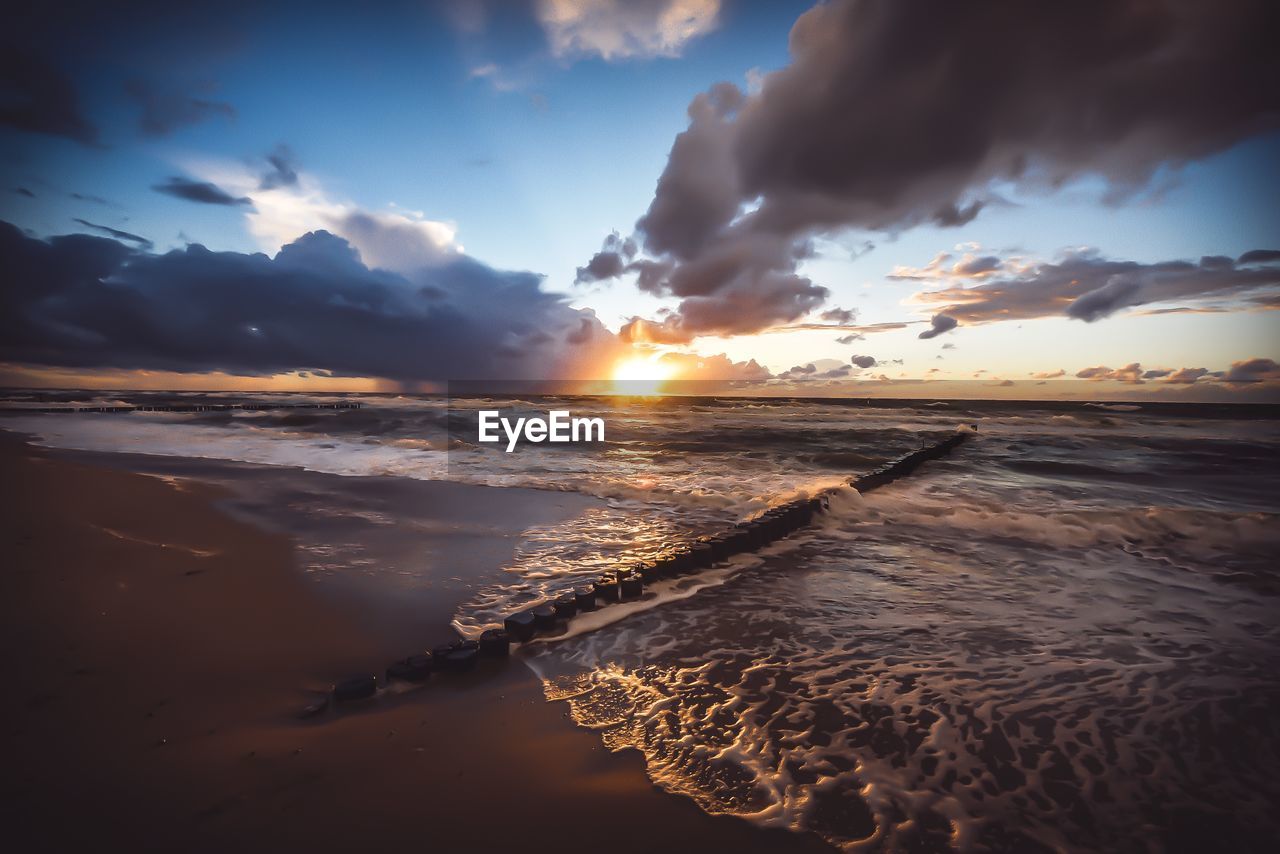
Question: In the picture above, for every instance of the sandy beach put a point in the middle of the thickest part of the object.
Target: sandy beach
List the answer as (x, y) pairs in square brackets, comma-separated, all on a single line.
[(158, 649)]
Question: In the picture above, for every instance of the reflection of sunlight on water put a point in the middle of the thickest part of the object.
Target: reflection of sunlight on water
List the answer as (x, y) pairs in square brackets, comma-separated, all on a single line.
[(965, 661)]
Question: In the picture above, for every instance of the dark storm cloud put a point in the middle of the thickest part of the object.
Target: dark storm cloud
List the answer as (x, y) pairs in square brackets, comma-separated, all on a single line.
[(283, 171), (739, 288), (939, 324), (40, 98), (1088, 287), (140, 242), (198, 191), (735, 283), (92, 302), (968, 92), (166, 108), (736, 287), (895, 114), (698, 191)]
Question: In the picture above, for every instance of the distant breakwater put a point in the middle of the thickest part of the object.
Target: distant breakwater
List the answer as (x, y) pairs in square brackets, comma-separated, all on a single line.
[(552, 618)]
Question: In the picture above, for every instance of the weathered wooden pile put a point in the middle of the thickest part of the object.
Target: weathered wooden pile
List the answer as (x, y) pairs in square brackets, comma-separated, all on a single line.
[(623, 585)]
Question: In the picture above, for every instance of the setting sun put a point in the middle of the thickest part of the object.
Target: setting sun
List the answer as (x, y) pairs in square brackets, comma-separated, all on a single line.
[(640, 376)]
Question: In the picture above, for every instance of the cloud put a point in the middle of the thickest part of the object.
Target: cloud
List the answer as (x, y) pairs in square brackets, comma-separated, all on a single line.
[(283, 171), (23, 191), (819, 371), (890, 116), (840, 315), (170, 107), (1131, 373), (1257, 370), (625, 29), (856, 331), (504, 80), (93, 302), (1185, 376), (140, 242), (799, 373), (740, 288), (849, 339), (199, 191), (39, 98), (1086, 286), (396, 240), (610, 262), (284, 202), (697, 194), (690, 367), (1049, 375), (864, 361), (1063, 93), (939, 324), (1252, 371), (738, 284)]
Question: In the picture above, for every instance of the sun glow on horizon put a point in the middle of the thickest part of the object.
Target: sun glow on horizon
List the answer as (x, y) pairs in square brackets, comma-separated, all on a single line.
[(640, 376)]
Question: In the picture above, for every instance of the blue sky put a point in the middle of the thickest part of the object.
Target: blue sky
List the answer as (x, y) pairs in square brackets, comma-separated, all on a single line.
[(472, 116)]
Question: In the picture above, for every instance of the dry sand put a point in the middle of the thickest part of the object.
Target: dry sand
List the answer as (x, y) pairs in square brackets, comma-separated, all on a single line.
[(156, 649)]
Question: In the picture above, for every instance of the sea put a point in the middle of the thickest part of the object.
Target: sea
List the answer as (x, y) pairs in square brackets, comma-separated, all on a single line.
[(1061, 637)]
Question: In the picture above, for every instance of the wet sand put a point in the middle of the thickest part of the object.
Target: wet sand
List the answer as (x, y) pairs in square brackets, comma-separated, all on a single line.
[(157, 647)]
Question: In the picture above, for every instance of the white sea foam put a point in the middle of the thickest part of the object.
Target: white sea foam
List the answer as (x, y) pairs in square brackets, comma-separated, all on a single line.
[(172, 435)]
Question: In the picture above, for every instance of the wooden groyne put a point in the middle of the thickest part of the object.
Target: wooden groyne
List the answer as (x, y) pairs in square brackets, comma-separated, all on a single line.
[(624, 585), (183, 407)]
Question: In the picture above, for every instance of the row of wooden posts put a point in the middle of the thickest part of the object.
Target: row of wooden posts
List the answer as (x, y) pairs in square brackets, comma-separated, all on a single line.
[(628, 584)]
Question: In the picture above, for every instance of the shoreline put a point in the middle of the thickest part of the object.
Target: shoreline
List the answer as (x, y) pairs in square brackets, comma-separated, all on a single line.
[(158, 647), (435, 541)]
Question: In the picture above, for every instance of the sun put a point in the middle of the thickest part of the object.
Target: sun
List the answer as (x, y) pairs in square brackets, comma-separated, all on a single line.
[(640, 376)]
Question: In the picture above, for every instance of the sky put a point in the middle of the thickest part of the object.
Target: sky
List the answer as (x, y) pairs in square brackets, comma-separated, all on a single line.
[(855, 197)]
